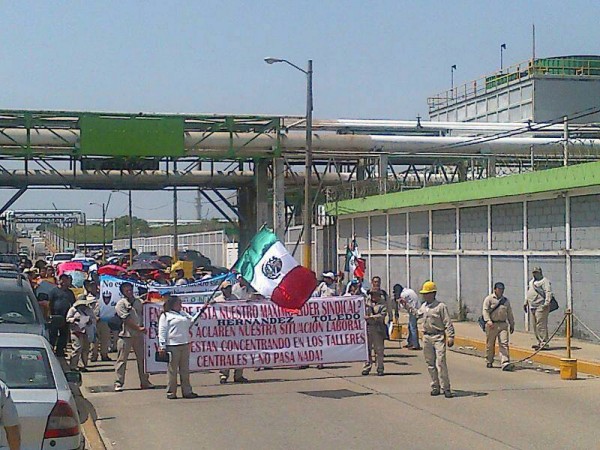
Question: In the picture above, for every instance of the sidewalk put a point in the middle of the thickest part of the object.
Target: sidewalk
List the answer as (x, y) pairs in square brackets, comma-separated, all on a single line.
[(468, 334)]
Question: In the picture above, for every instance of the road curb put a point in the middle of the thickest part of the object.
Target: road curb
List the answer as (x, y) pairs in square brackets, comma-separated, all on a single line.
[(545, 358), (92, 435)]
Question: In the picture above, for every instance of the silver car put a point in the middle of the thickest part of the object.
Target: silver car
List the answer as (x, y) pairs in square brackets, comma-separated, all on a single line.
[(39, 388)]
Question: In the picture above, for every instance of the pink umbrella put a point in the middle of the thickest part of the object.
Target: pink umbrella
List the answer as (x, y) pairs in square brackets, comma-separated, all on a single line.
[(68, 266), (111, 269)]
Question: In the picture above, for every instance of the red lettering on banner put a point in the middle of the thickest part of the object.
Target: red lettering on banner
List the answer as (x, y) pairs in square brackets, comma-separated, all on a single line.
[(307, 356), (255, 334)]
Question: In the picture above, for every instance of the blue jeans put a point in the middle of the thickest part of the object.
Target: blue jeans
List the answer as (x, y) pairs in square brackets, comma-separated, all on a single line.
[(413, 333)]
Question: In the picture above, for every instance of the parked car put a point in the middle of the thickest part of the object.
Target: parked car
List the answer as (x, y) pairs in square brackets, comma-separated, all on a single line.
[(61, 257), (10, 258), (48, 258), (41, 393), (19, 309)]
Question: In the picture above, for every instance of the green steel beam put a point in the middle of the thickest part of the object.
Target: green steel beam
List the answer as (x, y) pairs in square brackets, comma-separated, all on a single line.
[(562, 178), (127, 134)]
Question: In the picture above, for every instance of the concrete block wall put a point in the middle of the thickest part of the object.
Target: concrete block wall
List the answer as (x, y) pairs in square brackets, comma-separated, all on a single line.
[(444, 274), (546, 224), (378, 232), (507, 261), (378, 267), (398, 270), (419, 229), (507, 226), (473, 284), (397, 231), (419, 271), (586, 304), (444, 229), (585, 222), (473, 228)]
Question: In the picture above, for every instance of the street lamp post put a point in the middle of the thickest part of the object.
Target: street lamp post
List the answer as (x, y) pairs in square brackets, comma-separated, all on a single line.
[(502, 48), (452, 69), (307, 213)]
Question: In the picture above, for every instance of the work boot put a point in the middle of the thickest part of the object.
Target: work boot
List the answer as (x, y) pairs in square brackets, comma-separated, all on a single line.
[(380, 373), (435, 391), (240, 380), (223, 379), (489, 365), (448, 394)]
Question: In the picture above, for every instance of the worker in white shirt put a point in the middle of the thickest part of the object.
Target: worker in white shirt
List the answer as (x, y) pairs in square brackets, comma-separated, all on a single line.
[(327, 287), (174, 338), (412, 299)]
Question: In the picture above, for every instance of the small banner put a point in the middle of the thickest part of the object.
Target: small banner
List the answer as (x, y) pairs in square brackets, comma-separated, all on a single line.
[(240, 334)]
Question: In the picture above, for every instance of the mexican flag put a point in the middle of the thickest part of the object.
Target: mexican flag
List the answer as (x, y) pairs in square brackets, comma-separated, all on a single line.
[(355, 265), (274, 273)]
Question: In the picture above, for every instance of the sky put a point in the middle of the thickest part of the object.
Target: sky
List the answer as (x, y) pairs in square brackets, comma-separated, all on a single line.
[(372, 59)]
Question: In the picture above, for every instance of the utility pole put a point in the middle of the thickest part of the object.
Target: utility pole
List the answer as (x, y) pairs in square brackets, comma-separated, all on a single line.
[(308, 216), (130, 230), (175, 232)]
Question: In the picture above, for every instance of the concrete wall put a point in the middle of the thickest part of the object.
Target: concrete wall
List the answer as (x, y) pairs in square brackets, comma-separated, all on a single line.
[(559, 97), (498, 241)]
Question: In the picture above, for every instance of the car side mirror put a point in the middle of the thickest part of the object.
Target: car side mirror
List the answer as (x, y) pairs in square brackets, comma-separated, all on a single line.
[(56, 321), (73, 377)]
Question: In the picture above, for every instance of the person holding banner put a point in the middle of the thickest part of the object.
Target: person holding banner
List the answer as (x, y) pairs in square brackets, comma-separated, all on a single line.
[(375, 314), (129, 310), (225, 296), (174, 338), (102, 329)]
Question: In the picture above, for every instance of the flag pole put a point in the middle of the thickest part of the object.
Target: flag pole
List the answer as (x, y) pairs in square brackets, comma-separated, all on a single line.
[(209, 301)]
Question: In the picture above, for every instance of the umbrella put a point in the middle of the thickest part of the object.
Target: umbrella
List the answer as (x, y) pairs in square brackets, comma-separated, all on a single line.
[(69, 266), (142, 265), (111, 269)]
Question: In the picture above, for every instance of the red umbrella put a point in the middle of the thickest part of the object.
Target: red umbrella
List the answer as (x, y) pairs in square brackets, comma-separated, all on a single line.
[(111, 269)]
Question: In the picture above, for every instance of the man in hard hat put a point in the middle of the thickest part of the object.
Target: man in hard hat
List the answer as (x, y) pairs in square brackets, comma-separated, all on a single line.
[(437, 326), (537, 301), (499, 320)]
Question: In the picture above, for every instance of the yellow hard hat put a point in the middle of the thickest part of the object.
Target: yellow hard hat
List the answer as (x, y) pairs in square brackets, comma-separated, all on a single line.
[(428, 287)]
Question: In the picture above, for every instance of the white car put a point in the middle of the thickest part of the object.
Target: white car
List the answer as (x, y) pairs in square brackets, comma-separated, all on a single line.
[(61, 258), (45, 404)]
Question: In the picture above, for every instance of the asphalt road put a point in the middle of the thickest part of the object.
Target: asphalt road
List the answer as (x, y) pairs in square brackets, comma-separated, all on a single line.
[(338, 408)]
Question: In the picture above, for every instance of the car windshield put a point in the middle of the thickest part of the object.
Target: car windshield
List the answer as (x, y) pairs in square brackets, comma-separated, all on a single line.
[(26, 368), (10, 259), (16, 307), (63, 257)]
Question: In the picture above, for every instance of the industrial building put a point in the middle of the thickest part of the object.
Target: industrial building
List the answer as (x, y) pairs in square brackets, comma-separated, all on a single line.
[(538, 90)]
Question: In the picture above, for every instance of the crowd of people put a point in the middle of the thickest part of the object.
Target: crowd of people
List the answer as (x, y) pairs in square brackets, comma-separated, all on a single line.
[(93, 337)]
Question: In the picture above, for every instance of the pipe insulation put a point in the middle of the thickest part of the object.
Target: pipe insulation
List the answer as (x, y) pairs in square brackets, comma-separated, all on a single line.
[(198, 143)]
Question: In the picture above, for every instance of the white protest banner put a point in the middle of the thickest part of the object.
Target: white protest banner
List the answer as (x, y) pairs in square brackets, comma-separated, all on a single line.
[(239, 334), (196, 292), (196, 287), (110, 294)]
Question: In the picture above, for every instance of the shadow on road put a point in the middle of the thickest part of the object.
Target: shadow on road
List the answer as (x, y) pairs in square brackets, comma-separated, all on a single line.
[(469, 394)]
